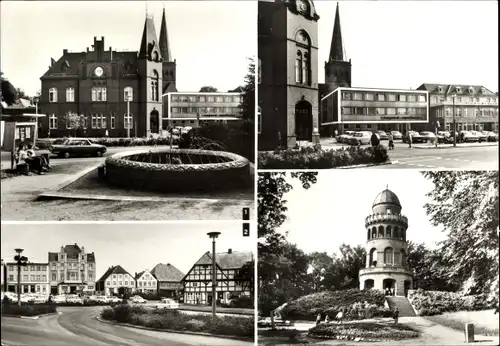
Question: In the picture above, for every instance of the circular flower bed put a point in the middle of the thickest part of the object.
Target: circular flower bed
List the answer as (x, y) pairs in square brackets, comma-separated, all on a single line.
[(177, 170), (369, 330)]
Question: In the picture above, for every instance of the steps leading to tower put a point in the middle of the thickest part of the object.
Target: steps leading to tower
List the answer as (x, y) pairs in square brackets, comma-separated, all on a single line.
[(403, 305)]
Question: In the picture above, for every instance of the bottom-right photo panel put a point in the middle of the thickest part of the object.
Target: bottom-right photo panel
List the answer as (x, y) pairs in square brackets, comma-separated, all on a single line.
[(393, 257)]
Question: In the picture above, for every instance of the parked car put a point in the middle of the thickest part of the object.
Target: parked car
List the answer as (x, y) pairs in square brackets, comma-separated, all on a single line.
[(343, 137), (74, 299), (415, 137), (382, 135), (167, 303), (40, 299), (396, 135), (429, 136), (481, 137), (77, 147), (59, 299), (115, 299), (264, 322), (491, 136), (359, 138), (103, 299), (444, 137), (138, 300), (468, 136)]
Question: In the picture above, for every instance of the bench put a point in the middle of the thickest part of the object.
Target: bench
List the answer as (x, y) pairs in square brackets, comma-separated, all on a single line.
[(22, 168)]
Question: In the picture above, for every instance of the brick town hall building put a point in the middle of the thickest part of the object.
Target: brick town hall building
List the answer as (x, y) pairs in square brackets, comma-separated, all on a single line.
[(97, 83), (386, 247)]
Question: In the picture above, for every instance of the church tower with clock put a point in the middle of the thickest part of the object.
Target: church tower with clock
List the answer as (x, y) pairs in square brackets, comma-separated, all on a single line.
[(288, 89)]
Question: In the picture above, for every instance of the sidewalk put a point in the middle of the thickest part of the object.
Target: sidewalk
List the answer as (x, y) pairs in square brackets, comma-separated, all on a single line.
[(459, 145)]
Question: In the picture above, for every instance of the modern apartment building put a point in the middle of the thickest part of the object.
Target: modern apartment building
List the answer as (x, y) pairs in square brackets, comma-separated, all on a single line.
[(72, 270)]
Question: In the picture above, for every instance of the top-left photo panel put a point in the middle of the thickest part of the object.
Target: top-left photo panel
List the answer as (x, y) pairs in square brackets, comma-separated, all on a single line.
[(121, 111)]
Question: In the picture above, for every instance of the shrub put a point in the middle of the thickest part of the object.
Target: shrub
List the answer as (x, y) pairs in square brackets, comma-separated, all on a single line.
[(353, 302), (430, 303), (175, 320), (317, 158), (28, 309), (364, 330), (242, 302)]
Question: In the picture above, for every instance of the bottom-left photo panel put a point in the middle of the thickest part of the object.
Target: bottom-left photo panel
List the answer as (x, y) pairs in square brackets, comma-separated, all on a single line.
[(127, 284)]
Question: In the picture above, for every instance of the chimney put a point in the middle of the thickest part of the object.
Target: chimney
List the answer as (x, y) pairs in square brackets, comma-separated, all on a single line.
[(65, 51), (229, 251), (110, 54), (87, 49)]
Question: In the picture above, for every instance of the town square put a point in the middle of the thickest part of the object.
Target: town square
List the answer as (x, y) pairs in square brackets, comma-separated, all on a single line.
[(131, 122), (83, 280), (384, 97)]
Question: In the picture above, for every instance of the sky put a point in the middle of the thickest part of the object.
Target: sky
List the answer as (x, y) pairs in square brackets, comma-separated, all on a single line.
[(134, 246), (402, 44), (333, 210), (209, 39)]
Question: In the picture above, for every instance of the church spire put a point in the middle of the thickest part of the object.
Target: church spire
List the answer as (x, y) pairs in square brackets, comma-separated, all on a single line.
[(336, 48), (149, 38), (165, 51)]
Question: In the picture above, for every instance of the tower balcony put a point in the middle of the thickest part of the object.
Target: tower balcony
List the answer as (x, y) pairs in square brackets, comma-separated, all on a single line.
[(387, 268), (380, 218)]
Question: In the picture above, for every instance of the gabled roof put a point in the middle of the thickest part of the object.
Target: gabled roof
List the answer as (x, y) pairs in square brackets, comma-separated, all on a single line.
[(149, 39), (227, 260), (167, 272), (72, 62), (448, 89), (18, 104), (169, 87), (113, 270)]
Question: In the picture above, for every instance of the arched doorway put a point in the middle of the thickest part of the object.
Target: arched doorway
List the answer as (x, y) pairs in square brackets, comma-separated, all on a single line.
[(154, 119), (407, 287), (389, 286), (369, 283), (303, 121)]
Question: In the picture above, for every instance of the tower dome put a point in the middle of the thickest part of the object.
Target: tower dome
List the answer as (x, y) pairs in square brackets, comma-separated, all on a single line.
[(386, 200)]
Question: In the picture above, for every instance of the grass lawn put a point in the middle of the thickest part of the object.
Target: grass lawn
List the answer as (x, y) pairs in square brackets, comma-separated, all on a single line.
[(485, 322)]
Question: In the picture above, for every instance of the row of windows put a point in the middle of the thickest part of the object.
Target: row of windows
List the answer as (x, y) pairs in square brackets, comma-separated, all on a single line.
[(383, 111), (391, 97), (468, 112), (146, 284), (31, 268), (390, 257), (468, 127), (70, 265), (219, 110), (201, 98), (99, 94), (98, 121), (30, 278), (70, 276), (388, 232), (126, 283), (435, 99)]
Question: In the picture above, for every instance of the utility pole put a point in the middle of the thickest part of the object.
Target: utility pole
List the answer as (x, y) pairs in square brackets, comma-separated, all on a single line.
[(21, 262), (213, 236)]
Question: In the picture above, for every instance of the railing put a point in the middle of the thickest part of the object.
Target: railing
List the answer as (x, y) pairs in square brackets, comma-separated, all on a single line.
[(376, 218), (384, 269)]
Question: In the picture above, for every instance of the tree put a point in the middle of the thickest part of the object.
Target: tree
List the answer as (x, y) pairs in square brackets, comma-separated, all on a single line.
[(246, 276), (74, 121), (465, 204), (21, 94), (207, 89), (9, 94), (248, 96), (320, 263)]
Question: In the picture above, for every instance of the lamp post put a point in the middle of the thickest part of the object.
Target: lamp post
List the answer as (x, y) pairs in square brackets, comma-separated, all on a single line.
[(21, 261), (213, 236), (454, 122)]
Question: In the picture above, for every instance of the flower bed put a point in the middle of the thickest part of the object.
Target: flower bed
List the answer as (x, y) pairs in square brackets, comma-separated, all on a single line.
[(429, 303), (175, 320), (354, 303), (315, 157), (28, 309), (366, 330)]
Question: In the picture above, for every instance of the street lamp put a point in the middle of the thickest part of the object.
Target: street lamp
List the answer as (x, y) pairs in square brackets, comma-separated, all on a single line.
[(213, 236), (21, 261), (454, 122)]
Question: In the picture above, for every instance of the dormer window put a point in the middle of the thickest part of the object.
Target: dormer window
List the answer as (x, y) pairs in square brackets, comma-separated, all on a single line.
[(440, 89), (483, 90), (458, 89), (471, 90)]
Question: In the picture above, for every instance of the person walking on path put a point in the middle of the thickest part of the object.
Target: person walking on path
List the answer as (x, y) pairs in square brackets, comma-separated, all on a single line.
[(391, 141), (327, 319), (335, 134), (318, 319), (395, 315), (339, 316), (374, 140), (410, 139)]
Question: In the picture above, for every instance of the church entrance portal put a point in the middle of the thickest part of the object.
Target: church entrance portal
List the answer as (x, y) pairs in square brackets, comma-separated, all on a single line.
[(303, 121), (154, 119)]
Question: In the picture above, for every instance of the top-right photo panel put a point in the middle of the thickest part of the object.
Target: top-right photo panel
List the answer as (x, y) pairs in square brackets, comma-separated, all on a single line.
[(392, 85)]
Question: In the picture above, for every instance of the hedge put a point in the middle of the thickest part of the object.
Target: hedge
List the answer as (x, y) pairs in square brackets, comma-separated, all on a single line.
[(355, 304), (29, 309), (429, 303), (317, 158), (175, 320), (369, 330)]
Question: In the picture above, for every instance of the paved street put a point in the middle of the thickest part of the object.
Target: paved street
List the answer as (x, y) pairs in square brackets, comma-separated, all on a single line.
[(79, 327), (462, 157)]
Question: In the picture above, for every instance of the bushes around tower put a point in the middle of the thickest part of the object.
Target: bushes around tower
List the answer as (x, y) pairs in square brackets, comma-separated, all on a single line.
[(429, 303)]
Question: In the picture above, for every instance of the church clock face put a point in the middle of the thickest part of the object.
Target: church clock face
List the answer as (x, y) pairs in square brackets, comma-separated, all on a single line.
[(301, 5), (98, 71)]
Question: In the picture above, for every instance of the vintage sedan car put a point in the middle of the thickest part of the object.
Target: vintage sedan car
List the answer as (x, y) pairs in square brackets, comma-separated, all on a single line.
[(396, 135), (481, 137), (491, 136), (59, 299), (468, 136), (382, 135), (77, 147), (429, 136), (138, 300), (415, 137), (444, 137), (359, 138), (74, 299), (343, 137), (115, 299), (167, 303), (265, 322)]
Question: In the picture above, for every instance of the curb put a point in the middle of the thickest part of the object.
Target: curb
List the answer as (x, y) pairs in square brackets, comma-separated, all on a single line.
[(368, 165), (451, 146), (31, 317), (174, 331), (222, 312)]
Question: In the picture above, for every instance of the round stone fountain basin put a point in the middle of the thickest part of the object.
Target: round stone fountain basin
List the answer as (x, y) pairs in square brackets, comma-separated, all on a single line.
[(177, 170)]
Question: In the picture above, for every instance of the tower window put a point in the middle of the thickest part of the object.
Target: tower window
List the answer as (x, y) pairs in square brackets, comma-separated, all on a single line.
[(302, 60), (154, 86), (388, 256)]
